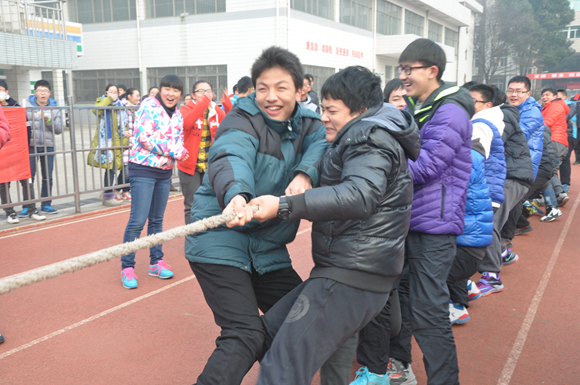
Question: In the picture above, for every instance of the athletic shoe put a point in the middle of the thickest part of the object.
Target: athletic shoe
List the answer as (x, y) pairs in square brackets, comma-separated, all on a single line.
[(473, 292), (552, 215), (508, 257), (538, 202), (36, 216), (457, 313), (524, 230), (112, 201), (126, 196), (489, 283), (48, 210), (398, 375), (364, 377), (576, 163), (507, 242), (562, 199), (12, 218), (23, 213), (160, 270), (1, 339), (566, 188), (129, 278)]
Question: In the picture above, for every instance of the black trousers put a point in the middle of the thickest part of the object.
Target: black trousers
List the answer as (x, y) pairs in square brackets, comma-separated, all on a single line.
[(540, 184), (465, 264), (425, 307), (308, 325), (235, 298), (566, 165)]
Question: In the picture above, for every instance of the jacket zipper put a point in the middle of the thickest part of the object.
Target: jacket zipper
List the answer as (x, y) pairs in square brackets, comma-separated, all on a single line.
[(442, 199)]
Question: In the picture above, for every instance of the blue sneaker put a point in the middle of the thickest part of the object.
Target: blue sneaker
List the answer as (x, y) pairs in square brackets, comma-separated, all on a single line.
[(161, 270), (364, 377), (23, 213), (129, 278), (48, 210), (566, 188)]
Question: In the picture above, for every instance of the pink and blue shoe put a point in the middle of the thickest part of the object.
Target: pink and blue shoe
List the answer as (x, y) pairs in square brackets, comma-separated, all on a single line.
[(129, 278), (161, 270)]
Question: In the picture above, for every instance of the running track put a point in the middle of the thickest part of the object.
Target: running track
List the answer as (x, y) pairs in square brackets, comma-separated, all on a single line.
[(84, 328)]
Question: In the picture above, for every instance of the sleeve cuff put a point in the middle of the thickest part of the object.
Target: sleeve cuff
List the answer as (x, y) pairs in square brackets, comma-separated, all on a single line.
[(297, 205), (311, 171)]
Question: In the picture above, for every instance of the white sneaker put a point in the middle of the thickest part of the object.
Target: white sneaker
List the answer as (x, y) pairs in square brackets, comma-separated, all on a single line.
[(36, 216), (12, 218), (552, 215), (398, 375), (113, 202), (118, 195), (457, 313), (473, 292)]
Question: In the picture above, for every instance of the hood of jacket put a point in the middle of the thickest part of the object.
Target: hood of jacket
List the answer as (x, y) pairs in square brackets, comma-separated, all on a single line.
[(494, 115), (529, 104), (51, 101), (250, 105), (511, 113)]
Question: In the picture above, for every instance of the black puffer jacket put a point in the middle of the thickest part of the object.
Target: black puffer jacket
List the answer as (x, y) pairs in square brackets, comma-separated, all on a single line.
[(549, 159), (362, 209), (517, 153)]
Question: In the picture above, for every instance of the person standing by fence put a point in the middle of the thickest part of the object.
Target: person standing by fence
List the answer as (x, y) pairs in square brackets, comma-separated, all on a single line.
[(132, 97), (109, 134), (44, 124), (158, 144)]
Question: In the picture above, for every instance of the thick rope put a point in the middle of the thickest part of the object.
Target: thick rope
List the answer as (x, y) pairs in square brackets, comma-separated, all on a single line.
[(74, 264)]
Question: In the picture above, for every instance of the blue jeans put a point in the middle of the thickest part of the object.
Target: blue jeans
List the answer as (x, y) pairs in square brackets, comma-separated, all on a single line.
[(148, 203), (46, 167)]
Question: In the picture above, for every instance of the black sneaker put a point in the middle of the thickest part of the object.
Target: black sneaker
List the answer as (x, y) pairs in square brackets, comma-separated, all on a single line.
[(562, 199), (524, 230)]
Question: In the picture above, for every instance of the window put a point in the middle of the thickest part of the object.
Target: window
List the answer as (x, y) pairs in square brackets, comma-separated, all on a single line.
[(101, 11), (216, 75), (89, 85), (388, 18), (169, 8), (575, 5), (451, 37), (414, 23), (320, 74), (388, 73), (435, 32), (322, 8), (572, 32), (357, 13)]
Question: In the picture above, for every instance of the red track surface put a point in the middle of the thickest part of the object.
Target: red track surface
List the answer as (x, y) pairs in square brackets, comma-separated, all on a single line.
[(86, 329)]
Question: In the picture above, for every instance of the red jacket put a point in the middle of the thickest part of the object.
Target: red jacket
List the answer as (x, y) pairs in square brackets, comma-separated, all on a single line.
[(554, 114), (192, 128), (4, 129)]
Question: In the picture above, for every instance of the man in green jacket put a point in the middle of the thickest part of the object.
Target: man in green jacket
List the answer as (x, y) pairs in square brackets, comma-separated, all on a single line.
[(267, 144)]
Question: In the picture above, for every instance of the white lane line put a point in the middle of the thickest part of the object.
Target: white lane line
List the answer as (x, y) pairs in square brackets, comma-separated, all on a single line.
[(518, 346), (303, 231), (97, 316)]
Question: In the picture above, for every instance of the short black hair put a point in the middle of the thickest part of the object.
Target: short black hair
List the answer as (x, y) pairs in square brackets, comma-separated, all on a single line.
[(521, 79), (356, 86), (282, 58), (172, 81), (392, 85), (198, 83), (487, 92), (310, 77), (235, 88), (548, 89), (499, 97), (109, 86), (426, 52), (130, 90), (244, 84), (562, 91), (148, 92), (469, 84), (3, 84), (122, 86), (42, 83)]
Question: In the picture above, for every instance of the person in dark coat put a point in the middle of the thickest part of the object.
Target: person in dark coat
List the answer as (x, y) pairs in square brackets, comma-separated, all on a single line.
[(360, 214)]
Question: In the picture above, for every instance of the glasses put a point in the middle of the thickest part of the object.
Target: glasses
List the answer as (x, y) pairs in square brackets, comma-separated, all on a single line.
[(479, 101), (408, 69), (306, 85), (516, 92), (202, 92), (42, 91)]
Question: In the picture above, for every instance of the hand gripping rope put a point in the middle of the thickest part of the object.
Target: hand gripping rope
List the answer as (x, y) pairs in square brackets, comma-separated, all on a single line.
[(74, 264)]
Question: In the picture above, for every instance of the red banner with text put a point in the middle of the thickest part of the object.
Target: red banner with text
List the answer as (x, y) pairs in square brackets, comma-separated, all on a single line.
[(14, 159)]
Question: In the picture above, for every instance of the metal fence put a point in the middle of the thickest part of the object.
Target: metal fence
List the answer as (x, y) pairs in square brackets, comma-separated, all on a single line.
[(66, 160), (41, 18)]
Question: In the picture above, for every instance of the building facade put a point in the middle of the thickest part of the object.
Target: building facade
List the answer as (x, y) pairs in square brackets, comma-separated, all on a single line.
[(137, 42)]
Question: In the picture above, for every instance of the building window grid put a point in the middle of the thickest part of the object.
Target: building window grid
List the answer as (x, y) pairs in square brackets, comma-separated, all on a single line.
[(389, 18), (451, 37), (321, 8), (435, 32), (357, 13), (572, 32), (414, 24), (101, 11), (216, 75), (320, 74), (170, 8), (89, 85)]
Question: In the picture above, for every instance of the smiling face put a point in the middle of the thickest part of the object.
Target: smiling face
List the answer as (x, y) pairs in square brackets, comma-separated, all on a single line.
[(335, 115), (421, 82), (276, 94), (547, 97), (170, 96), (397, 98), (134, 97), (201, 91), (517, 93)]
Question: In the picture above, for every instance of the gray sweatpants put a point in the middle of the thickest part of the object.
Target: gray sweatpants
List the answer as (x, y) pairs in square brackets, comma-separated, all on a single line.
[(561, 152), (189, 185), (514, 192)]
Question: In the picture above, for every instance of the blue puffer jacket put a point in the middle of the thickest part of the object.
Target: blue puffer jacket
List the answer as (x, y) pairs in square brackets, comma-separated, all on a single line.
[(478, 229), (491, 120), (532, 124)]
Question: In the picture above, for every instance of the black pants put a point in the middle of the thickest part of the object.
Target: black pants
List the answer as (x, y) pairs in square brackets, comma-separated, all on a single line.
[(465, 264), (540, 184), (565, 166), (234, 297), (425, 307), (308, 325)]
